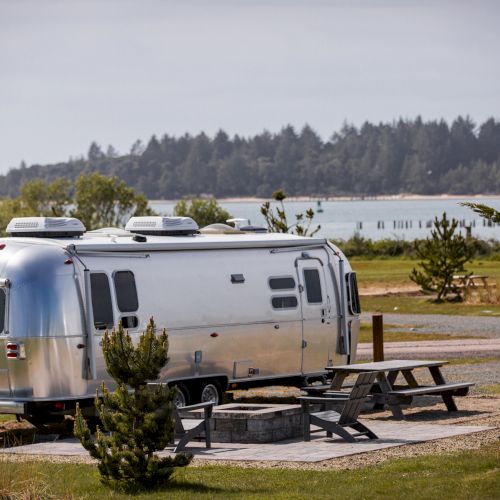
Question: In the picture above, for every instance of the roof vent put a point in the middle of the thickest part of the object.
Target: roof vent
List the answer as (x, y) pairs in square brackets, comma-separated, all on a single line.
[(45, 227), (162, 226)]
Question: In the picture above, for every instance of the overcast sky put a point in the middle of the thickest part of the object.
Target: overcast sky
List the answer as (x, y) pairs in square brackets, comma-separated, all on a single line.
[(119, 70)]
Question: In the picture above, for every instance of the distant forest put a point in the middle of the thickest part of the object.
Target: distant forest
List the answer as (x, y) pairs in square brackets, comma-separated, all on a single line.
[(406, 156)]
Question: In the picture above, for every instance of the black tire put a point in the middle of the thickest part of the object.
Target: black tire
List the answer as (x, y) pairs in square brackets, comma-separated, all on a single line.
[(183, 397), (211, 390)]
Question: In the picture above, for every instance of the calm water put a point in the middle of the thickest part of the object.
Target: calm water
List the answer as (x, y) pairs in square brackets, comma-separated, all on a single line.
[(374, 219)]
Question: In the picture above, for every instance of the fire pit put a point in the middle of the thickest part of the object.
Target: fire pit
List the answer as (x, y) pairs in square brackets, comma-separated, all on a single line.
[(255, 423)]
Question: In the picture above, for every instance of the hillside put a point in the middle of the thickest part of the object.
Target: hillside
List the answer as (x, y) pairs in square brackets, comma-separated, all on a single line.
[(405, 156)]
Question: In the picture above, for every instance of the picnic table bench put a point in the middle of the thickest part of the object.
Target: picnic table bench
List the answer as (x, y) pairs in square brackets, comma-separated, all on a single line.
[(394, 396)]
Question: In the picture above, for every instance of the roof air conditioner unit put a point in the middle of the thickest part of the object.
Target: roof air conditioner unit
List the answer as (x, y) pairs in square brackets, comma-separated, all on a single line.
[(162, 226), (45, 227)]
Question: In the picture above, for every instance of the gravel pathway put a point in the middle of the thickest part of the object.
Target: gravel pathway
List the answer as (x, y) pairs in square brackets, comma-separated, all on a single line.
[(481, 326)]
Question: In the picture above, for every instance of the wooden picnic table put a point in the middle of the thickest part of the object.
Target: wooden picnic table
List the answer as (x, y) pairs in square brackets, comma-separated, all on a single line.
[(394, 396), (469, 281)]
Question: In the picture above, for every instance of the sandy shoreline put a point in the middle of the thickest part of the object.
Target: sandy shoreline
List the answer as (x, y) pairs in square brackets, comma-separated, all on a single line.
[(392, 197)]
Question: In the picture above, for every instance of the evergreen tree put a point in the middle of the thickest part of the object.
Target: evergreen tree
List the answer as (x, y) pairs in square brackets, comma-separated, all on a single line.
[(138, 419), (443, 255), (485, 211)]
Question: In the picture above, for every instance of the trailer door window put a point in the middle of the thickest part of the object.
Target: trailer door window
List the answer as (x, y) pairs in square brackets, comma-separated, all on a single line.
[(2, 310), (101, 301), (126, 291), (313, 286), (352, 293)]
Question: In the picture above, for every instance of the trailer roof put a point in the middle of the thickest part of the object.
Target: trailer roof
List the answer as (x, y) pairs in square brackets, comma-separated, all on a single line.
[(121, 241)]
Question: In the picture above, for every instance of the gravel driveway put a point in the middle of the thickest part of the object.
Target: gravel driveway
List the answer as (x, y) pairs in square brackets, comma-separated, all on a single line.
[(481, 326)]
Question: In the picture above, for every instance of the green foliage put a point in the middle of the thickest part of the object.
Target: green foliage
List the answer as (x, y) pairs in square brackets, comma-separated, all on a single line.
[(359, 246), (46, 200), (278, 222), (106, 201), (98, 201), (204, 211), (137, 417), (485, 211), (443, 255), (405, 156)]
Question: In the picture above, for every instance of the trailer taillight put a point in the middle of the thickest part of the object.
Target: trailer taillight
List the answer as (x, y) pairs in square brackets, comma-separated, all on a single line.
[(15, 350)]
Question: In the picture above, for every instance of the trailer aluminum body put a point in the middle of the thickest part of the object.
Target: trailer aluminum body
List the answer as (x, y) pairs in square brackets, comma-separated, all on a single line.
[(245, 309)]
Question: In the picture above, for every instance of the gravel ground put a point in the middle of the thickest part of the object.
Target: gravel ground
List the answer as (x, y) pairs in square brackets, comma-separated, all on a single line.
[(481, 326), (473, 411)]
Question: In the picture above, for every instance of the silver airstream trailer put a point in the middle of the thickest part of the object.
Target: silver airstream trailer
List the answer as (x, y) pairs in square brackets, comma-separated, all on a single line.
[(241, 309)]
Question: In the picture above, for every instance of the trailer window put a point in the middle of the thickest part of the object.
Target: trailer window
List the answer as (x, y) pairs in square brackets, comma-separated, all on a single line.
[(352, 293), (126, 292), (285, 302), (313, 286), (2, 309), (285, 283), (101, 301)]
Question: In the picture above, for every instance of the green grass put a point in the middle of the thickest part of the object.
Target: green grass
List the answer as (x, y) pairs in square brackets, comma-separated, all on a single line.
[(493, 389), (422, 305), (366, 335), (471, 361), (466, 475), (396, 270), (6, 418)]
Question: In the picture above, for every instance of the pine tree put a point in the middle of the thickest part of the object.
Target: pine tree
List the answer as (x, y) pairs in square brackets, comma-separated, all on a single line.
[(443, 255), (489, 213), (138, 419)]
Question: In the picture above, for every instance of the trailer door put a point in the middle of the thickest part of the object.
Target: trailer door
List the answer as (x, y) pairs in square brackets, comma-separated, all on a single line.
[(317, 332), (4, 369)]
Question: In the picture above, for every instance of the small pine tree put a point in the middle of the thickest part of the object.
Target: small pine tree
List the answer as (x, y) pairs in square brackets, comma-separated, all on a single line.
[(443, 255), (278, 223), (139, 421), (485, 211)]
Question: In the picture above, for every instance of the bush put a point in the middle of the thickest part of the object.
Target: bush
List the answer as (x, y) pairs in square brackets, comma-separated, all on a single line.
[(138, 418), (203, 211)]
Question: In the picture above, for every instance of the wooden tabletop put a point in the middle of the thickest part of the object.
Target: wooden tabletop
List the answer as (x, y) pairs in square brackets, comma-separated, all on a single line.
[(386, 366)]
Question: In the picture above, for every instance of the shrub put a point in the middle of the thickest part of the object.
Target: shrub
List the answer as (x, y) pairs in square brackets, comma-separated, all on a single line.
[(138, 418)]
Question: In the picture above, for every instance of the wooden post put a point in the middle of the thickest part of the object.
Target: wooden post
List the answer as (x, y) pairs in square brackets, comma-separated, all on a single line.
[(378, 337)]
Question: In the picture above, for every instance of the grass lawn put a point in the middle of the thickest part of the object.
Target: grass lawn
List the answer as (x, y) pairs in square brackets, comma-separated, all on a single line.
[(422, 305), (6, 418), (396, 270), (366, 334), (467, 475)]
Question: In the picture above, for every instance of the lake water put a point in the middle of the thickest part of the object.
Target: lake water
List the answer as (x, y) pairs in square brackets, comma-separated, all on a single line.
[(376, 219)]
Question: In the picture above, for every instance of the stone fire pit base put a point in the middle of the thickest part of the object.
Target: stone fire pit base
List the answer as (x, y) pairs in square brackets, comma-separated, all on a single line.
[(255, 423)]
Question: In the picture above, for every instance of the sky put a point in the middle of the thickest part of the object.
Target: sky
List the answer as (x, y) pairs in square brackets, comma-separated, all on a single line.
[(114, 71)]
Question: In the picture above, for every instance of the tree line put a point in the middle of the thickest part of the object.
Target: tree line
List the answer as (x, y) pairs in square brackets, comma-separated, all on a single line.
[(405, 156)]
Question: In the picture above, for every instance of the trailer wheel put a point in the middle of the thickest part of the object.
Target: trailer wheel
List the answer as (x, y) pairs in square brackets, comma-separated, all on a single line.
[(211, 391), (182, 397)]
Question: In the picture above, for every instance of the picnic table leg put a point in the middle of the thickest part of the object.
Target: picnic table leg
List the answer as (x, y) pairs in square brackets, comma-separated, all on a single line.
[(392, 377), (386, 387), (410, 379), (439, 380), (338, 381)]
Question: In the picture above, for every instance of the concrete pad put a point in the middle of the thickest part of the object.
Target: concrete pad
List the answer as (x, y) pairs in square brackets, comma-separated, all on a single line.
[(294, 450)]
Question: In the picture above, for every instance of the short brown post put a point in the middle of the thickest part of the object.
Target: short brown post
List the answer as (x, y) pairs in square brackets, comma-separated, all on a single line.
[(378, 337)]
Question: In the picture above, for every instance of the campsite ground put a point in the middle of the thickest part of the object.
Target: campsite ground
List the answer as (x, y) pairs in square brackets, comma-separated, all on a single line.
[(458, 467)]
